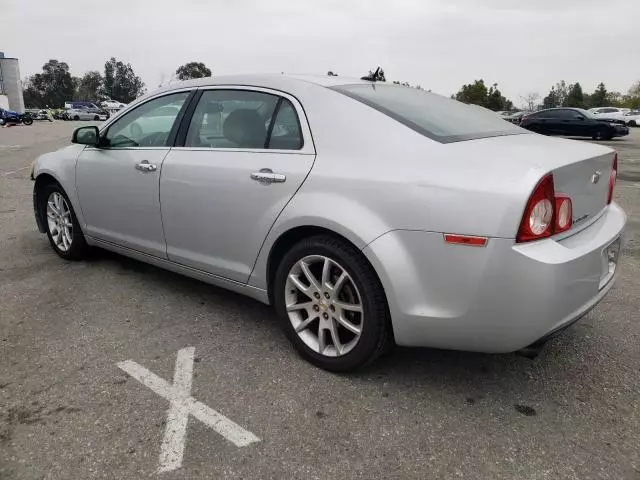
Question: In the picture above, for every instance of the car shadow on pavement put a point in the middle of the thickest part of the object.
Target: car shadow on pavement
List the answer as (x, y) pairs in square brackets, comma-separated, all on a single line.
[(470, 376)]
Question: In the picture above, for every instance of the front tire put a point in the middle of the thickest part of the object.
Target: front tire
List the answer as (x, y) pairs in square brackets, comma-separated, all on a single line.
[(599, 135), (331, 304), (63, 229)]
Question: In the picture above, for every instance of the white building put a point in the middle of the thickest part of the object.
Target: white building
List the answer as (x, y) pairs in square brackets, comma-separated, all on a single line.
[(10, 85)]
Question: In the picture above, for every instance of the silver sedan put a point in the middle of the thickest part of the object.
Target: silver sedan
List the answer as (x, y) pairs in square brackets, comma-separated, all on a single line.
[(368, 214), (85, 114)]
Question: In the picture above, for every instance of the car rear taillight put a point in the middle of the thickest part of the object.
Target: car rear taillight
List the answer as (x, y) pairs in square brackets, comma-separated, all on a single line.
[(612, 177), (546, 213), (564, 213), (538, 218)]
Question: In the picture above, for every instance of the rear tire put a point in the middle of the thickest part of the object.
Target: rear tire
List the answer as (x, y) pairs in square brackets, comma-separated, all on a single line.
[(633, 123), (370, 327), (27, 121), (76, 118), (77, 248), (96, 118)]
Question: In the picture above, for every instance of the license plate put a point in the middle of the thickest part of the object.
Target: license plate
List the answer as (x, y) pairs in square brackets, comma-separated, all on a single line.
[(610, 256)]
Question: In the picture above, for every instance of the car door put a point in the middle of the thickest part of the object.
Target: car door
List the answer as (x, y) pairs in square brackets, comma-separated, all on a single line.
[(570, 122), (543, 122), (118, 183), (237, 162)]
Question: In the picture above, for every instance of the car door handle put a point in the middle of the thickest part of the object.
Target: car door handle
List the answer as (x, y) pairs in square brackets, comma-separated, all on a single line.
[(145, 166), (266, 176)]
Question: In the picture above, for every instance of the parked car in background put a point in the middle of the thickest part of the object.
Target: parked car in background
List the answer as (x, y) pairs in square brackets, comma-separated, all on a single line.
[(112, 104), (572, 122), (632, 118), (516, 117), (609, 113), (69, 105), (494, 240), (85, 114)]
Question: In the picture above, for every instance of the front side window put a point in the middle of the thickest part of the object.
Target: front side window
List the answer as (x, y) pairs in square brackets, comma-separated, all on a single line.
[(231, 119), (148, 125)]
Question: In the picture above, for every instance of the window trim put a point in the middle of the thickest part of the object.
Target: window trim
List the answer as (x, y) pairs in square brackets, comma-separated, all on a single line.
[(307, 147)]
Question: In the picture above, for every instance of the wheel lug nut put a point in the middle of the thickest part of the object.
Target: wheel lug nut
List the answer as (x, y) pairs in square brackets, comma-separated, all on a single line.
[(325, 315), (317, 295), (316, 308), (326, 294)]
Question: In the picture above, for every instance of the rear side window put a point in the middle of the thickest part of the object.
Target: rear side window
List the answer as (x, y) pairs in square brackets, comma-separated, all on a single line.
[(431, 115), (244, 119), (286, 134), (231, 119)]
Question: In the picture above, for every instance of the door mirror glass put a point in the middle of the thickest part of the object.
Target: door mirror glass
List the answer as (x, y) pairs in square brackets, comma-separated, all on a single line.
[(85, 136)]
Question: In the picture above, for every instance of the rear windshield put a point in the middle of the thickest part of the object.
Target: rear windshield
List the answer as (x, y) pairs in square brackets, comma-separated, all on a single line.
[(431, 115)]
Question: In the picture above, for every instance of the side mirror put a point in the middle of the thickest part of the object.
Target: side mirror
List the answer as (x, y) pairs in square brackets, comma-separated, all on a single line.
[(86, 136)]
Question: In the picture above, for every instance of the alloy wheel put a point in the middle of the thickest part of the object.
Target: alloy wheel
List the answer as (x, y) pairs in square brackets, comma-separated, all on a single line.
[(59, 221), (324, 305)]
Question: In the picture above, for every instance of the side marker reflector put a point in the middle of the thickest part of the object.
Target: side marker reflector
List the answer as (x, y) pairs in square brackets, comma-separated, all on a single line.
[(465, 240)]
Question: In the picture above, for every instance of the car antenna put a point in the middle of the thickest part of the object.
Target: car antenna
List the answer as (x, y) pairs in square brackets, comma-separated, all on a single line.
[(372, 77)]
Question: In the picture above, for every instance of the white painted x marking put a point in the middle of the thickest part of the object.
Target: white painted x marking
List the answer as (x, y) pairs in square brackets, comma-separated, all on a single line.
[(183, 405)]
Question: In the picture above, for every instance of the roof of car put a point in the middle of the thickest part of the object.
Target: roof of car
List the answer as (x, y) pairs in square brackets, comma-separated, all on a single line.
[(285, 82)]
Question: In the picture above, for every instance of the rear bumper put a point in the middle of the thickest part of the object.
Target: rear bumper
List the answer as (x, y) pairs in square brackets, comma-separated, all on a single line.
[(499, 298)]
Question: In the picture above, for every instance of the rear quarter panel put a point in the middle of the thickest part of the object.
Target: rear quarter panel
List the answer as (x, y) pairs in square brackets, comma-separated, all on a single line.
[(373, 175)]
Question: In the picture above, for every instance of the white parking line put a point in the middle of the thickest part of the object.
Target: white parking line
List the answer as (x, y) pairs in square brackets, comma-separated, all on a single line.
[(183, 405)]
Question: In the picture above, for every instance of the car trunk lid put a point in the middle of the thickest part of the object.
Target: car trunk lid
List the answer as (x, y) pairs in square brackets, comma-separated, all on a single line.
[(514, 165), (587, 184)]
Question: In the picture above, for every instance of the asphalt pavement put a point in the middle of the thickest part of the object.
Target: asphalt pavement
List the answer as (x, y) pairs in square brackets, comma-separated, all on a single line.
[(69, 411)]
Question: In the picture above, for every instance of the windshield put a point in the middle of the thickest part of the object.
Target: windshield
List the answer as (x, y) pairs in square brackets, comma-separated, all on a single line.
[(431, 115)]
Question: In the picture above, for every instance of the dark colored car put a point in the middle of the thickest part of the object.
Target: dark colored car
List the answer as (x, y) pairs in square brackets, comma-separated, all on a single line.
[(572, 122)]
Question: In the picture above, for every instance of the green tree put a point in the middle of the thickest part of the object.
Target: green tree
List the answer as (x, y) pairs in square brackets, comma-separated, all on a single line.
[(192, 70), (90, 86), (551, 100), (120, 81), (575, 97), (634, 96), (561, 93), (599, 97), (496, 101), (52, 87), (477, 93), (474, 93)]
